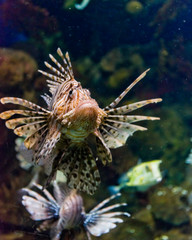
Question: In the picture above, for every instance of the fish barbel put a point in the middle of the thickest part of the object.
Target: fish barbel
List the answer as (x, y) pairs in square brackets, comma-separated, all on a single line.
[(65, 212), (58, 134)]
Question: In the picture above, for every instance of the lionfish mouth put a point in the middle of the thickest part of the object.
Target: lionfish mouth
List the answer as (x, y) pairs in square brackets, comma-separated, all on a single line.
[(86, 111)]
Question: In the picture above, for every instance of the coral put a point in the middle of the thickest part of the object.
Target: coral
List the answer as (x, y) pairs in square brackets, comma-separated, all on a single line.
[(16, 68), (132, 229), (145, 215), (167, 141), (167, 14), (69, 4), (27, 17), (168, 204), (118, 77), (134, 7), (176, 234)]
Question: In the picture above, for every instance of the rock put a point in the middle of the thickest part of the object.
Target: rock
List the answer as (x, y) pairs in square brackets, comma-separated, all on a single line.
[(169, 205)]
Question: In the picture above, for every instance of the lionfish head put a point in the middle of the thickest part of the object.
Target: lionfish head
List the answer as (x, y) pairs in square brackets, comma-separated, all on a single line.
[(87, 115)]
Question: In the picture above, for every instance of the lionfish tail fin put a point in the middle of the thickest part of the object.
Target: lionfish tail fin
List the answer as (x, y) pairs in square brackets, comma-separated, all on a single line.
[(30, 126), (39, 207), (62, 72), (100, 220), (79, 166)]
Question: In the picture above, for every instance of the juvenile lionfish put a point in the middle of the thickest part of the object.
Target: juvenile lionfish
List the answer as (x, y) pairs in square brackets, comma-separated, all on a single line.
[(65, 212), (58, 135)]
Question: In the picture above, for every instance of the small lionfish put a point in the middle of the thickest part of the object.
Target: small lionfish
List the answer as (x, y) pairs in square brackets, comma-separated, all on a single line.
[(142, 177), (58, 135), (66, 212)]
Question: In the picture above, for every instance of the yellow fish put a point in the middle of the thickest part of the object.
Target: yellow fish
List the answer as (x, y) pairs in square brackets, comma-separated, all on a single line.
[(142, 177), (58, 134)]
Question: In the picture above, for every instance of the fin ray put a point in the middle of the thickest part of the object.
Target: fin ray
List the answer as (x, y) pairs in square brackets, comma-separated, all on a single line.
[(122, 95), (23, 102), (131, 107)]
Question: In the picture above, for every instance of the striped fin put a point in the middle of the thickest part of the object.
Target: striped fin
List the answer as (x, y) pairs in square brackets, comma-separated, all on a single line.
[(39, 207), (13, 123), (7, 114), (24, 103), (66, 63), (129, 118), (47, 194), (118, 99), (79, 166), (32, 127), (47, 99), (100, 221), (29, 129), (47, 151), (62, 71), (35, 137), (103, 151), (131, 107), (52, 68), (60, 74), (117, 127), (51, 76), (116, 134)]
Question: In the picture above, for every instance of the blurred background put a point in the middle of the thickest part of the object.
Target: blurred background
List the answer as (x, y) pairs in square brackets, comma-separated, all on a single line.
[(110, 43)]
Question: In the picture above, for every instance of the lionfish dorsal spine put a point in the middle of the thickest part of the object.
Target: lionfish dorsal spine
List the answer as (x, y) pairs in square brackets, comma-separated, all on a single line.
[(122, 95), (67, 62)]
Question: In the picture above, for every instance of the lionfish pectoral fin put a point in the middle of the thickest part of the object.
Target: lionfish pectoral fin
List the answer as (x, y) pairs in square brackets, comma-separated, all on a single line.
[(79, 166), (39, 207), (100, 220), (115, 134), (47, 153), (30, 126), (103, 151), (117, 127)]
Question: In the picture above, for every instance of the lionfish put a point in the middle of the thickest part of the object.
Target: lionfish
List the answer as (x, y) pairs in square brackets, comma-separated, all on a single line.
[(58, 134), (64, 213)]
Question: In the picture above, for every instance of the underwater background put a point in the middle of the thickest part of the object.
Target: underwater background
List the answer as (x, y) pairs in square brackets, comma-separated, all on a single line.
[(110, 43)]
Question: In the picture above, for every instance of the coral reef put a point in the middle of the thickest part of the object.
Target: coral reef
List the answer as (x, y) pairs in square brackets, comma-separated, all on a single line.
[(27, 17), (16, 68), (169, 204)]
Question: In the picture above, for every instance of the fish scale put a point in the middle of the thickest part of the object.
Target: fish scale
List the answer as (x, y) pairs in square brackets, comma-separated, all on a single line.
[(58, 135)]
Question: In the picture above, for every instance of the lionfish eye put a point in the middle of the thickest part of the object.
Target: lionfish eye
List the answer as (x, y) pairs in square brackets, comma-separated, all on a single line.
[(70, 92)]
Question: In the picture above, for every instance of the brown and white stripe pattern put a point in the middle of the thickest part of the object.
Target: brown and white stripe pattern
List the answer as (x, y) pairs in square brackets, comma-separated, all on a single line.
[(65, 211), (70, 118)]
